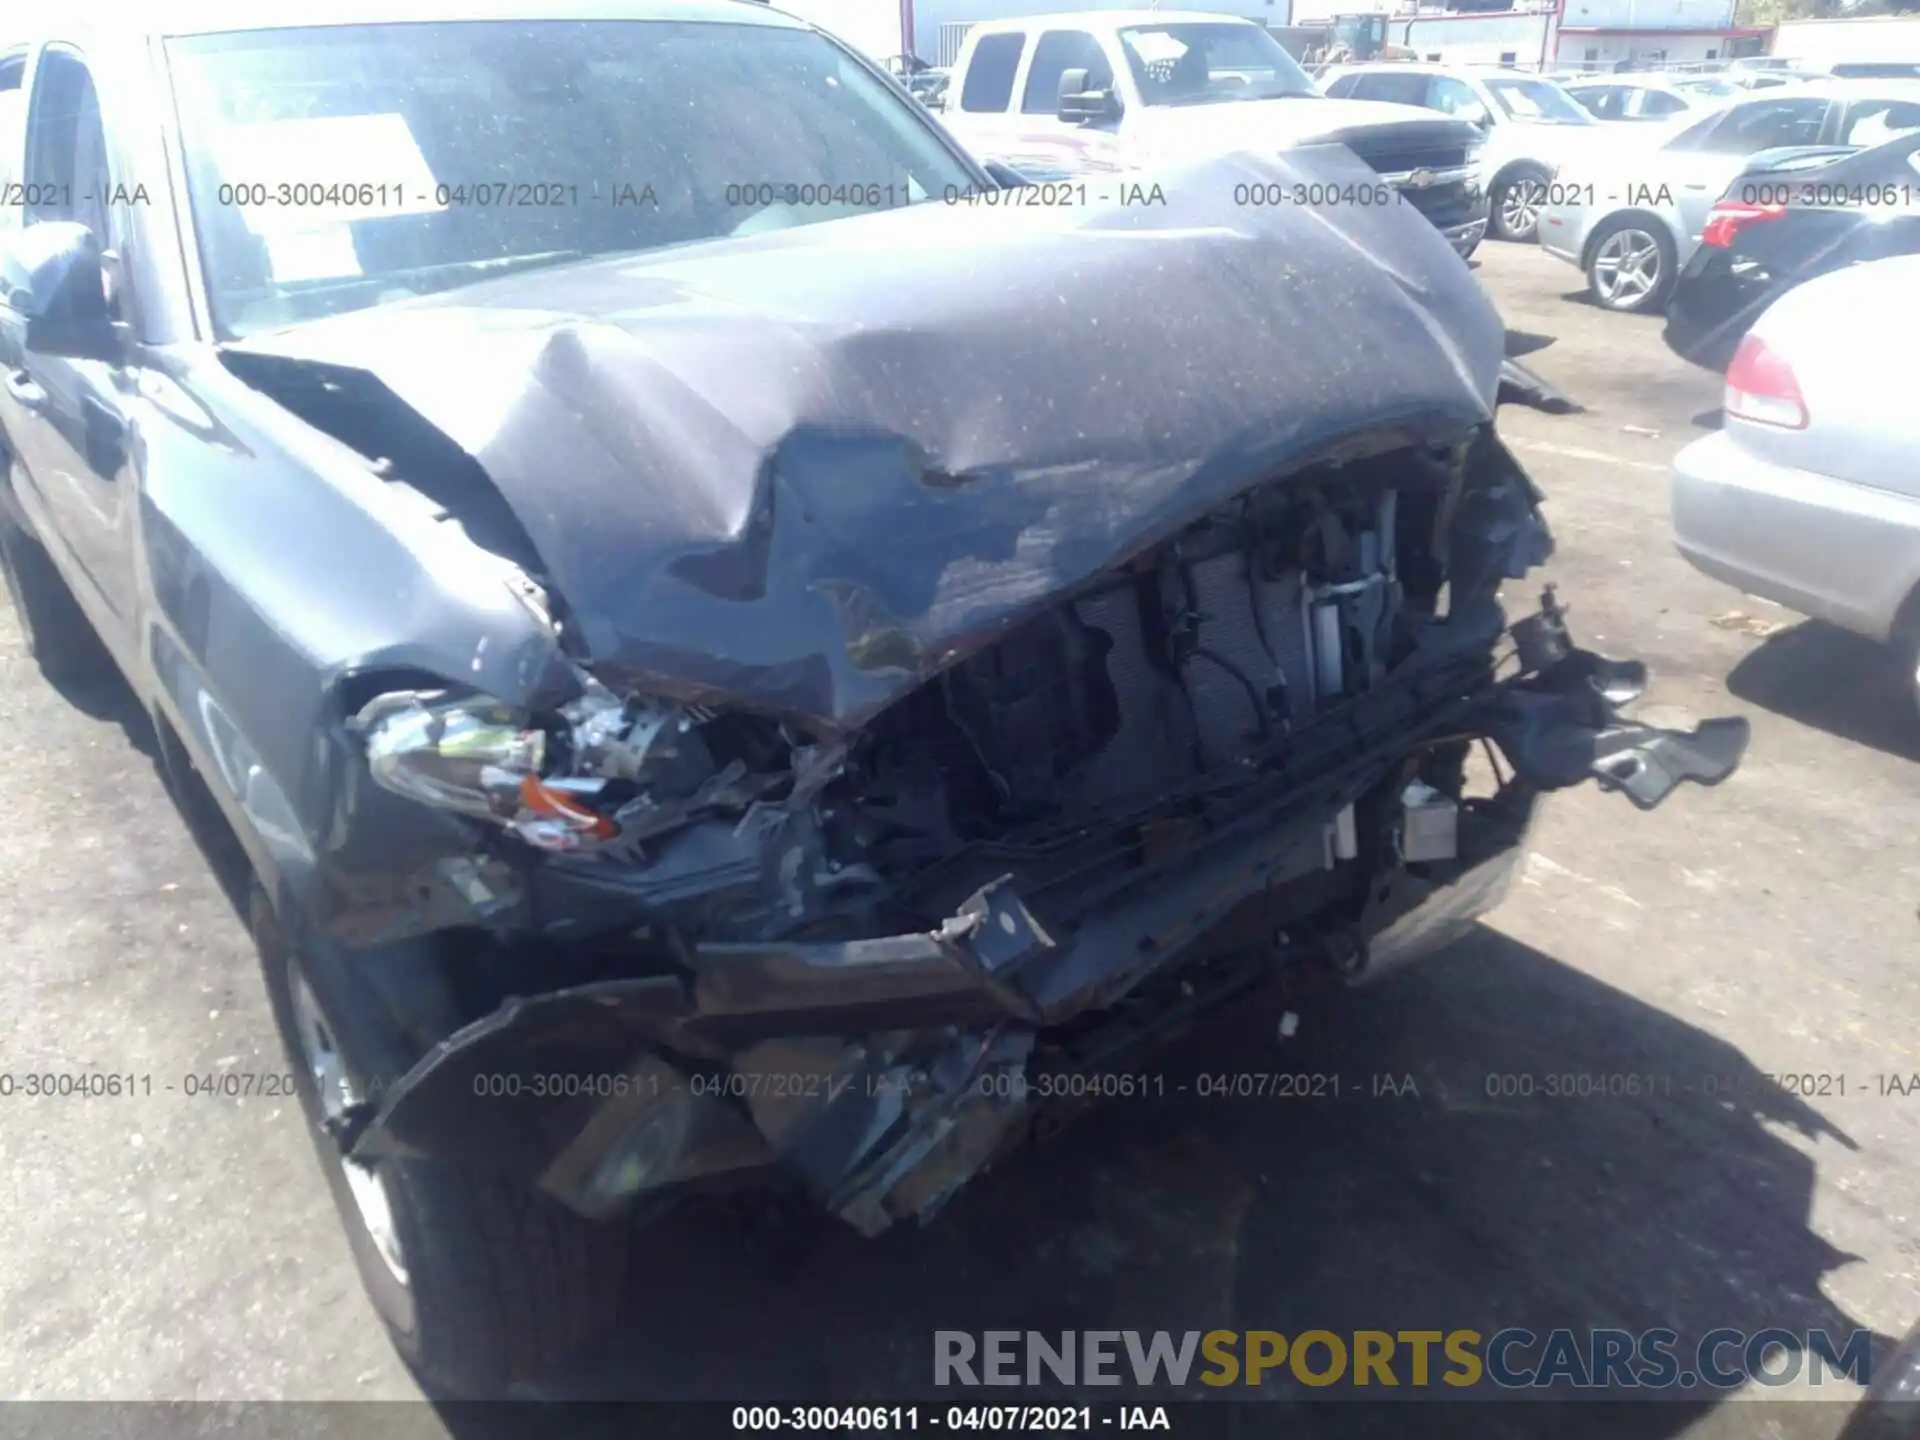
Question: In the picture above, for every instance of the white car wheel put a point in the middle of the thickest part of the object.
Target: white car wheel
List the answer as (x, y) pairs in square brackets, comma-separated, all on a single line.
[(1632, 267), (1516, 206)]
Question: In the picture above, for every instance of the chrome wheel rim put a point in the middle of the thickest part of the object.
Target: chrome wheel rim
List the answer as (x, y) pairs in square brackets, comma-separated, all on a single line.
[(1518, 213), (1626, 268), (337, 1093)]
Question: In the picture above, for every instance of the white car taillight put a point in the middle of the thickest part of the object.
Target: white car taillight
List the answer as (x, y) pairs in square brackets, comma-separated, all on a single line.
[(1761, 387)]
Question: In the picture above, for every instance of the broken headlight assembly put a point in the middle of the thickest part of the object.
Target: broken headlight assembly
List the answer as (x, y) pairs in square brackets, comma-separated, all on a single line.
[(597, 768)]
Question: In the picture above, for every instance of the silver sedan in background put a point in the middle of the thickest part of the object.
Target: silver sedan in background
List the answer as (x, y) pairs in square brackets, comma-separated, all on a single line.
[(1629, 217), (1810, 494)]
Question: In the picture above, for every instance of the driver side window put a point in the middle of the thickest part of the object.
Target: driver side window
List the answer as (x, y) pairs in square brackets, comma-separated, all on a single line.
[(989, 81), (13, 124), (1456, 98), (1765, 125), (1600, 101), (1875, 122), (1057, 52), (67, 175), (1655, 104)]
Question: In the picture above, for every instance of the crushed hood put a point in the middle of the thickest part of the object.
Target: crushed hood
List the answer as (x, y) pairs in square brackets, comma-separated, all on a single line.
[(802, 471)]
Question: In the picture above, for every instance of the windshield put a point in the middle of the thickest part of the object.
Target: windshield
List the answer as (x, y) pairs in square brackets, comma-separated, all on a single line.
[(1209, 62), (1536, 100), (1714, 88), (340, 167)]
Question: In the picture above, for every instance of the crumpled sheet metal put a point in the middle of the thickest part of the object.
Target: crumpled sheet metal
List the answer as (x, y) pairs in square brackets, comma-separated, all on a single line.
[(805, 470)]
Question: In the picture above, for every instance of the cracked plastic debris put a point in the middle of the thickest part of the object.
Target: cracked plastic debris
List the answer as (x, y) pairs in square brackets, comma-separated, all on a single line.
[(1429, 825)]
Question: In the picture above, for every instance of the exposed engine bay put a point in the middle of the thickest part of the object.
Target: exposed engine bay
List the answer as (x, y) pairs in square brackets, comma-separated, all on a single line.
[(1193, 660), (1240, 754)]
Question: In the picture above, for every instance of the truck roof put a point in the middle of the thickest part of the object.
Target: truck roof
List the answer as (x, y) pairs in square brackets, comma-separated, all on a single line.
[(1109, 19)]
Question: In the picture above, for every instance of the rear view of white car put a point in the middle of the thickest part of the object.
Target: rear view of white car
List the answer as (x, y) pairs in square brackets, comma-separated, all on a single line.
[(1810, 494)]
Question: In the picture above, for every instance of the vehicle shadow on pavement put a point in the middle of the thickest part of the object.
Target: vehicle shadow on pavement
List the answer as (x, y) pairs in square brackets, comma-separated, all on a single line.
[(1834, 681), (1580, 295), (106, 696), (1457, 1202), (1520, 343)]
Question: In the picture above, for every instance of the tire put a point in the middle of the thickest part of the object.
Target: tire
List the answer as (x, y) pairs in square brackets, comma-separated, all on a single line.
[(484, 1286), (1631, 265), (1910, 665), (1513, 208), (58, 634)]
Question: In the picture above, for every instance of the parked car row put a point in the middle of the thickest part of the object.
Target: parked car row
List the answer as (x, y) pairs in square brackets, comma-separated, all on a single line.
[(1630, 221), (1782, 69), (1768, 72), (1532, 126)]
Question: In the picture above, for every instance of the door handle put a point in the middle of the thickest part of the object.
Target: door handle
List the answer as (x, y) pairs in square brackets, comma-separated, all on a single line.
[(24, 389)]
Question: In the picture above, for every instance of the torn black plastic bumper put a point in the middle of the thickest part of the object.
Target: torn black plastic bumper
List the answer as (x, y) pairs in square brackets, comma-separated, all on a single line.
[(1562, 725), (882, 1073), (604, 1094)]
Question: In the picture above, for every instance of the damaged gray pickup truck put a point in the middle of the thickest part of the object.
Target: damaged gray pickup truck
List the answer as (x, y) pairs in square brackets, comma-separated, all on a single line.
[(730, 689)]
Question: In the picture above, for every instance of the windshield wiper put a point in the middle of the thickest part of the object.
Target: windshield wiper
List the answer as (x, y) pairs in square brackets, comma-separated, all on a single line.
[(459, 270)]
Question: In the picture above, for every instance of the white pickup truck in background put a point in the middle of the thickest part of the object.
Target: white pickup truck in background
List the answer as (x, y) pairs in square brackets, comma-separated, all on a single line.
[(1122, 90)]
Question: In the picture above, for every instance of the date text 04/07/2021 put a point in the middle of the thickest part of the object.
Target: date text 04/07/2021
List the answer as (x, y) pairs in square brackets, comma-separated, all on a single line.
[(1060, 1085), (902, 1419)]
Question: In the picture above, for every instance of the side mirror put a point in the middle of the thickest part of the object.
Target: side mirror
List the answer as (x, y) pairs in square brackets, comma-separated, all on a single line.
[(1077, 105), (51, 275)]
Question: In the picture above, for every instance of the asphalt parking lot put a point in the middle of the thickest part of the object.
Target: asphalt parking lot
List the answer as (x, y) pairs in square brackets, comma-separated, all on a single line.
[(166, 1247)]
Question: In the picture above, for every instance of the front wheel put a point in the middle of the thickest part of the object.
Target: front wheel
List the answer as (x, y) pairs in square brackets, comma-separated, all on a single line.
[(1910, 662), (1632, 265), (484, 1286), (1514, 206)]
